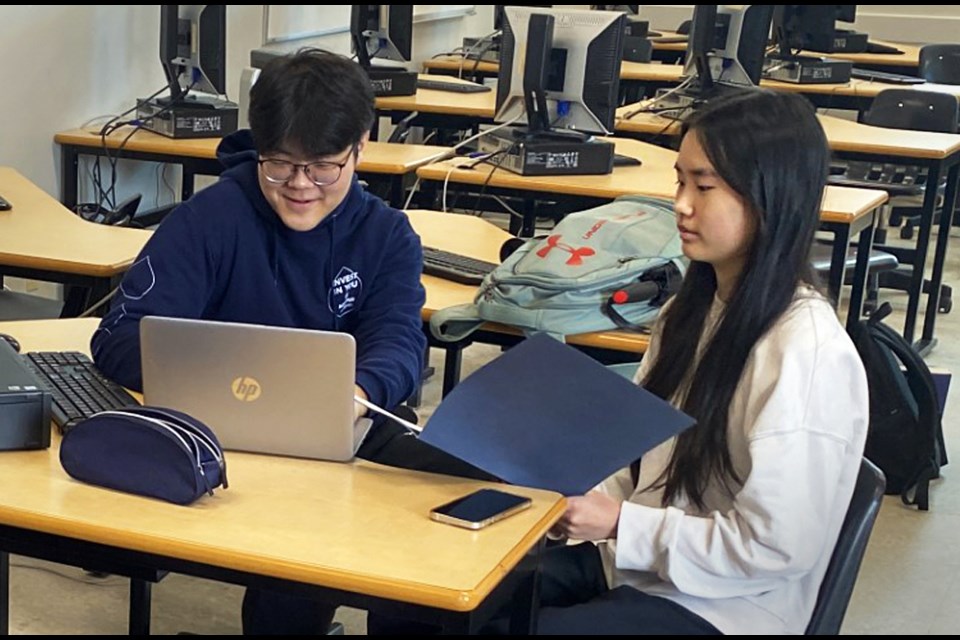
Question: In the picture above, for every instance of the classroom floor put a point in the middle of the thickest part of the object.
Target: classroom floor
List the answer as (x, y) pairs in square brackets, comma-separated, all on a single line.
[(911, 568)]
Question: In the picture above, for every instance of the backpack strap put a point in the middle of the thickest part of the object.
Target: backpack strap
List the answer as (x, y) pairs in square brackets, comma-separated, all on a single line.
[(924, 391), (453, 324)]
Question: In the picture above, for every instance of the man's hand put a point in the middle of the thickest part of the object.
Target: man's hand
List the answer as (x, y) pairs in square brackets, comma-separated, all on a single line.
[(591, 517), (358, 409)]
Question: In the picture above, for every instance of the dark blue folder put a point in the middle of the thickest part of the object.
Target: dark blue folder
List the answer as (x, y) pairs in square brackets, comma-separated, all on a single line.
[(545, 415)]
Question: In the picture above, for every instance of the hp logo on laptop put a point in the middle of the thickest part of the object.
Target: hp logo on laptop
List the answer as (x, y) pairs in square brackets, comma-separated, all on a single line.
[(245, 389)]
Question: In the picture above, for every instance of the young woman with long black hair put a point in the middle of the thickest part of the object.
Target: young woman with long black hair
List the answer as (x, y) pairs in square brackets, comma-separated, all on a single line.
[(728, 528)]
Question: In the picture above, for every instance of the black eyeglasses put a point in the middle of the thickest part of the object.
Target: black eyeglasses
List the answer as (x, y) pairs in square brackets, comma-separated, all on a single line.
[(321, 174)]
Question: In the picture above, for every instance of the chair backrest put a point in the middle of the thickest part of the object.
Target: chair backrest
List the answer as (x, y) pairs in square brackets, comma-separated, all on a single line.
[(845, 560), (940, 63), (915, 110), (684, 28)]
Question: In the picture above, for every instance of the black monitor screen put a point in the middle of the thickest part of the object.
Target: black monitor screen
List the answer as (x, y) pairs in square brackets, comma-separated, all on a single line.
[(193, 47), (382, 31), (846, 12), (806, 27), (581, 73)]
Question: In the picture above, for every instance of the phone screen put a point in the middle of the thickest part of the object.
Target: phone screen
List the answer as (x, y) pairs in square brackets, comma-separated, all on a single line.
[(480, 505)]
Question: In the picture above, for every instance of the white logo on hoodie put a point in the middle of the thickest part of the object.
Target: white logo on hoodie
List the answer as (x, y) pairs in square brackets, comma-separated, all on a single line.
[(344, 292)]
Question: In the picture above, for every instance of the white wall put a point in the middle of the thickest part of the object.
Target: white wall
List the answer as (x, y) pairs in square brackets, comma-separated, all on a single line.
[(903, 23), (61, 66)]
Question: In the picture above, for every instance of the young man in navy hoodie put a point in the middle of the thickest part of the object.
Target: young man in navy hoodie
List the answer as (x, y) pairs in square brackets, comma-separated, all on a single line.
[(268, 243)]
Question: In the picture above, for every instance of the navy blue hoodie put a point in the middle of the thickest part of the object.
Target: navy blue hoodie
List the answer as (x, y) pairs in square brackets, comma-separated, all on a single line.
[(226, 255)]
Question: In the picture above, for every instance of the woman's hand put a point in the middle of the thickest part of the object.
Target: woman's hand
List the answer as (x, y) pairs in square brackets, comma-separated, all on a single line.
[(590, 517)]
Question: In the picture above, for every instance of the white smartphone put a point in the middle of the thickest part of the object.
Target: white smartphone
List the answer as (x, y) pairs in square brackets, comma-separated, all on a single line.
[(480, 508)]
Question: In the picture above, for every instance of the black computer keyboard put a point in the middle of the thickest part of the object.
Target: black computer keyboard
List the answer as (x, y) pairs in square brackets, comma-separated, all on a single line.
[(893, 178), (456, 87), (620, 160), (452, 266), (881, 76), (876, 47), (79, 390)]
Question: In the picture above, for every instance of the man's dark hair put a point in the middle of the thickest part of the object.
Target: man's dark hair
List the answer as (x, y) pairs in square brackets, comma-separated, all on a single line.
[(313, 102)]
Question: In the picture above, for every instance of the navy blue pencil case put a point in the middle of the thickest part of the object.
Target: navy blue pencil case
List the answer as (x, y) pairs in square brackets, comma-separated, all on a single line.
[(148, 451)]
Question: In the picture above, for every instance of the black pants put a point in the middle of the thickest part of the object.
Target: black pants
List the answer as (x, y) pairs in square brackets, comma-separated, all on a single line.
[(575, 600), (274, 613)]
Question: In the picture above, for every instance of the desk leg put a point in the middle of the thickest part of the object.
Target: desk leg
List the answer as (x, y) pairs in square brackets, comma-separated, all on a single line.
[(451, 367), (69, 175), (838, 260), (186, 185), (139, 622), (940, 257), (864, 247), (920, 257), (4, 593), (523, 621)]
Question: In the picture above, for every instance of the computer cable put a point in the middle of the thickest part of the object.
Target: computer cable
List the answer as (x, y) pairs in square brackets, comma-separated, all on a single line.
[(99, 303), (486, 182), (647, 105), (137, 125)]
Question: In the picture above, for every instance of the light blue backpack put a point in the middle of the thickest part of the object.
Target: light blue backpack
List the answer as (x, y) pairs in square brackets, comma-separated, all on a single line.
[(568, 282)]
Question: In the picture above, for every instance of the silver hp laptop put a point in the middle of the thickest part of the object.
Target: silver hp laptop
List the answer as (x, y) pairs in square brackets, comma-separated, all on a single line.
[(262, 389)]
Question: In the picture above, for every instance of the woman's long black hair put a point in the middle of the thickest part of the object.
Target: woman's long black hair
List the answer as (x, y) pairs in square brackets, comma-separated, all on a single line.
[(771, 150)]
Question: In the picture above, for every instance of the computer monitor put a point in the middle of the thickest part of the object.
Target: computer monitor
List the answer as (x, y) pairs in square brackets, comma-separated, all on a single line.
[(381, 31), (560, 69), (803, 27), (193, 48), (727, 44), (498, 12), (629, 9)]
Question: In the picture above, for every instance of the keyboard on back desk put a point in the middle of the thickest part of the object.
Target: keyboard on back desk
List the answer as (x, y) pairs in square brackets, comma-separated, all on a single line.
[(456, 87), (455, 267), (881, 76), (79, 390)]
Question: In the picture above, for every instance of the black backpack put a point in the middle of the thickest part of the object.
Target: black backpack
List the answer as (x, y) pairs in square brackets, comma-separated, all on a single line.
[(905, 437)]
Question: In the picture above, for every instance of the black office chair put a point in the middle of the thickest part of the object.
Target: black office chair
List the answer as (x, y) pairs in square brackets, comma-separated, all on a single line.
[(684, 28), (940, 63), (821, 256), (637, 49), (25, 306), (837, 585), (917, 111)]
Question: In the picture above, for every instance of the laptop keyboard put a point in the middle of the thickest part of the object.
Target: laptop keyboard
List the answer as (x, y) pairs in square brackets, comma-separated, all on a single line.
[(78, 388)]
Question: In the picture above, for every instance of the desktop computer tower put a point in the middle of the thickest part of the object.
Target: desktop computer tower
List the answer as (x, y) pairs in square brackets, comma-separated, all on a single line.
[(189, 118)]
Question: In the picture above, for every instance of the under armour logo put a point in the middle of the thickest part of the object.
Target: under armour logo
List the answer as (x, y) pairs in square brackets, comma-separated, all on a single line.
[(577, 254)]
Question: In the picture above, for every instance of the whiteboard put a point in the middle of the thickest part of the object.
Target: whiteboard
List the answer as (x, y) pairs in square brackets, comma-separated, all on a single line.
[(294, 21)]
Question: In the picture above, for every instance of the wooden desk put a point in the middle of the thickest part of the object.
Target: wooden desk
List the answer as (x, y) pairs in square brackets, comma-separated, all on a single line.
[(42, 240), (939, 153), (474, 237), (478, 105), (357, 530), (857, 94), (907, 62), (382, 163), (845, 211), (462, 66)]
